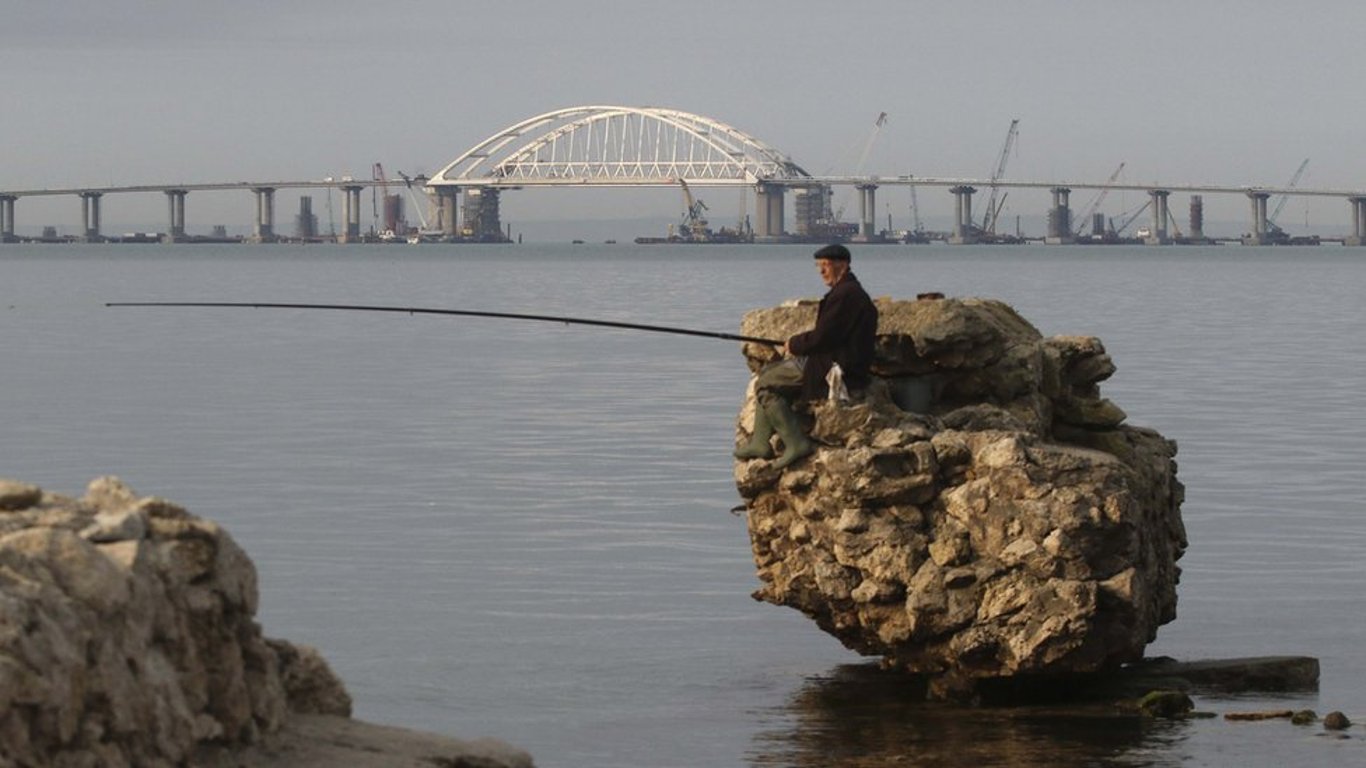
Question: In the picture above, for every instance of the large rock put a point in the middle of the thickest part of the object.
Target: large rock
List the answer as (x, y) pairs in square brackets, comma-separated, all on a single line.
[(982, 514), (128, 638)]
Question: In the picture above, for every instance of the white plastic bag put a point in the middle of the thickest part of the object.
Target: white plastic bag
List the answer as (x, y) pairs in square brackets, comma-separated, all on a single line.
[(839, 394)]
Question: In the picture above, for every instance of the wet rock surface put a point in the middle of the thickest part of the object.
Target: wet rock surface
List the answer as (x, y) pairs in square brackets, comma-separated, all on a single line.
[(982, 513), (128, 638)]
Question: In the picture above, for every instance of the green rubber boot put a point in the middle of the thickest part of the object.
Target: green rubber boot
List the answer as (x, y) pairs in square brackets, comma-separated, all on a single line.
[(795, 442), (758, 446)]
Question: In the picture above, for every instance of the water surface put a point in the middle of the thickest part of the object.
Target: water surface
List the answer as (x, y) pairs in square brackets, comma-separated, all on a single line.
[(522, 530)]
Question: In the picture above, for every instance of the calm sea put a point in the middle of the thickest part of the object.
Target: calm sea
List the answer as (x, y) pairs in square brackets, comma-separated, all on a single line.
[(522, 530)]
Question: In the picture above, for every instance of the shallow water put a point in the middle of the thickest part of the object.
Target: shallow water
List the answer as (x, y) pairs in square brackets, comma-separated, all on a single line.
[(522, 530)]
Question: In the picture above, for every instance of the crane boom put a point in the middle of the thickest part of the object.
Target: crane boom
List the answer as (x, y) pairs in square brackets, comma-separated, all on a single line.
[(417, 207), (989, 220), (694, 223), (379, 194), (1132, 217), (1291, 185), (1095, 204), (863, 156)]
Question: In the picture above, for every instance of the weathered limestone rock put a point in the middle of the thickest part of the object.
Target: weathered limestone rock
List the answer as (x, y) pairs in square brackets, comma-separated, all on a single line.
[(983, 513), (1336, 721), (128, 638)]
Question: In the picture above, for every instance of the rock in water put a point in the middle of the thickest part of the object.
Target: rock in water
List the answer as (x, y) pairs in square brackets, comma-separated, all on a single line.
[(983, 513), (128, 638), (127, 635)]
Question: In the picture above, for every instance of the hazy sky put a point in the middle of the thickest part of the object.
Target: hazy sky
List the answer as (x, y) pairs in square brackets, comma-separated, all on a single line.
[(166, 91)]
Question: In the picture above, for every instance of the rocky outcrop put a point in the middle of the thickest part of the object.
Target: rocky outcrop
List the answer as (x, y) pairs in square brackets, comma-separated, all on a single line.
[(982, 513), (128, 637)]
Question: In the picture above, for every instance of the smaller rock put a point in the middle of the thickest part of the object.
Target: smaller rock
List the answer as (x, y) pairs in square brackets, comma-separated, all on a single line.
[(1166, 704), (1274, 714), (109, 494), (950, 551), (1304, 717), (852, 521), (16, 496), (1336, 721), (310, 685), (1241, 675), (116, 526)]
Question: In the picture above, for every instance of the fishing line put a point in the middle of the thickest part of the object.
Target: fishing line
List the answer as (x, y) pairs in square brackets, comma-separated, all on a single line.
[(457, 312)]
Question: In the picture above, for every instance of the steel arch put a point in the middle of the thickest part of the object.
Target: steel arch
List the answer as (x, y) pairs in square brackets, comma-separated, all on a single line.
[(612, 145)]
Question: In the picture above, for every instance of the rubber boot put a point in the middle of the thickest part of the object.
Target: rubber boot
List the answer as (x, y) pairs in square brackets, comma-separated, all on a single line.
[(758, 445), (795, 442)]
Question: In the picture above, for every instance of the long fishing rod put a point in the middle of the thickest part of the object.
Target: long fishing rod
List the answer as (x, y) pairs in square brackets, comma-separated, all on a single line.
[(458, 312)]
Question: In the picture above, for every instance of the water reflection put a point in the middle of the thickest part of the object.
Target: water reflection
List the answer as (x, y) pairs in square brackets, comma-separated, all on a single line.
[(862, 717)]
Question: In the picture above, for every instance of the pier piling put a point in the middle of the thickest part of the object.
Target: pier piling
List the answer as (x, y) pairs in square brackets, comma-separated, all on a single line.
[(264, 231)]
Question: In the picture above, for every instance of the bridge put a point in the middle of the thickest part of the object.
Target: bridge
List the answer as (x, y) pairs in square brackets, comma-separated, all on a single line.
[(617, 146)]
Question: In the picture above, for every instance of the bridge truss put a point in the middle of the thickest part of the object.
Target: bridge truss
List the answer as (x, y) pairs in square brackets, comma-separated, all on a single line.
[(623, 146)]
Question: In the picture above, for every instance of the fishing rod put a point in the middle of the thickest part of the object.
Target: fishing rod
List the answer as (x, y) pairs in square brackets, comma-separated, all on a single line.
[(457, 312)]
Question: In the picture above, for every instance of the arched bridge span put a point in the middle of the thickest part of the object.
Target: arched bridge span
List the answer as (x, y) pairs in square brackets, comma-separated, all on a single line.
[(612, 145)]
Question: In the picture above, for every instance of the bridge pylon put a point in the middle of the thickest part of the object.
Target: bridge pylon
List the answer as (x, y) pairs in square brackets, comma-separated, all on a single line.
[(263, 231), (7, 219), (768, 199), (963, 232), (1060, 219)]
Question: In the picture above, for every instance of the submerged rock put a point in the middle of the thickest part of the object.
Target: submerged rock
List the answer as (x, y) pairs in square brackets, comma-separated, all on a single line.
[(982, 513), (1263, 674), (1336, 721), (1166, 704), (128, 638)]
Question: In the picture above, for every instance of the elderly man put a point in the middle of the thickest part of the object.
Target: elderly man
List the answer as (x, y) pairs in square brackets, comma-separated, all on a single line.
[(846, 327)]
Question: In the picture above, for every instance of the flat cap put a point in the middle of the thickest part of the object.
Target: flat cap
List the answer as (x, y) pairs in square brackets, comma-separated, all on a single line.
[(834, 252)]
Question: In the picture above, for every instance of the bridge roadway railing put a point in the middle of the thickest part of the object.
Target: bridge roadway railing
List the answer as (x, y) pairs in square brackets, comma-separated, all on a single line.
[(963, 189), (263, 230), (768, 193)]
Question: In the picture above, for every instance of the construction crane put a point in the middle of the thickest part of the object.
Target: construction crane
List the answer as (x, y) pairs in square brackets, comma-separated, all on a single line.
[(863, 157), (1176, 228), (417, 206), (1271, 220), (1132, 217), (331, 222), (1085, 219), (694, 223), (993, 209), (378, 193)]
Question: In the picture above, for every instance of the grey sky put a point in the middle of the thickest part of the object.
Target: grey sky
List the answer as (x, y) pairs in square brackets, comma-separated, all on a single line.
[(122, 92)]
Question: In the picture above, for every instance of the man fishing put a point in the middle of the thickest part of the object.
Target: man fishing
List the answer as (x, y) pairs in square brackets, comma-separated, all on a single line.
[(846, 328), (846, 325)]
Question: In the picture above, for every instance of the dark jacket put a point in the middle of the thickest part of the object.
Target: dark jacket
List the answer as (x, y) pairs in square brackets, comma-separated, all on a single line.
[(846, 329)]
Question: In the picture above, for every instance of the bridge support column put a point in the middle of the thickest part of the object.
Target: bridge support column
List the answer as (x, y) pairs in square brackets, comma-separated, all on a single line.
[(351, 214), (483, 217), (1197, 222), (449, 201), (769, 212), (1060, 219), (1259, 228), (1158, 235), (175, 203), (90, 216), (867, 208), (962, 223), (812, 209), (1358, 236), (7, 219), (264, 230)]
